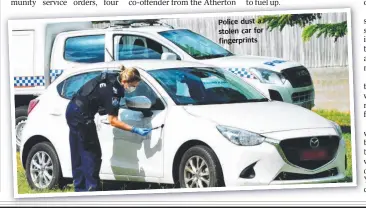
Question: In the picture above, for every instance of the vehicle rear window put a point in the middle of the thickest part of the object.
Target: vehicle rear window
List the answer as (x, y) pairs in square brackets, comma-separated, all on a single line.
[(71, 85), (85, 49)]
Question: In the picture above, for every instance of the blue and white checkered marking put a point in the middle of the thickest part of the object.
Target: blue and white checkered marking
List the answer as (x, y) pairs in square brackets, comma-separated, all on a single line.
[(29, 81), (241, 72), (34, 81), (274, 62), (54, 73)]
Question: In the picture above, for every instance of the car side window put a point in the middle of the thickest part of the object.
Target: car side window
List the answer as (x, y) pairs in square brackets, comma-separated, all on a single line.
[(85, 49), (130, 47), (144, 89), (74, 83)]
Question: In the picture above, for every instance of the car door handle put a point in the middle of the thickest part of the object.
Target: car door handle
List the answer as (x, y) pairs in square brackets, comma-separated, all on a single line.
[(56, 112), (105, 121)]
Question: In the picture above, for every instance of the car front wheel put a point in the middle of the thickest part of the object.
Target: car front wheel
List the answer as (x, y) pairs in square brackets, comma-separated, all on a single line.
[(200, 168), (42, 167)]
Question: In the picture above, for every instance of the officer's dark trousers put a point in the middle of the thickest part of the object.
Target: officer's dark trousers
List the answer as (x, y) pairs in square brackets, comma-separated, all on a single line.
[(85, 150)]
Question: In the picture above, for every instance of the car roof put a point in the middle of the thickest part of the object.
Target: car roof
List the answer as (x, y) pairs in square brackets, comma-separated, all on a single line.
[(145, 29), (146, 65)]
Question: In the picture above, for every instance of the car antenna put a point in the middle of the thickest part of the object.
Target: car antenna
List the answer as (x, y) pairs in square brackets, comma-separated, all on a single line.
[(110, 55)]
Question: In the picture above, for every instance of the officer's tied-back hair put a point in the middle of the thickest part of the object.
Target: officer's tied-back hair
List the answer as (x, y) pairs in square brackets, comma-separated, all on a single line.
[(129, 74)]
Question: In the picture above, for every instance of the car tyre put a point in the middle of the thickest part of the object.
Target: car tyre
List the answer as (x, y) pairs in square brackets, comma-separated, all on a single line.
[(21, 115), (43, 169), (200, 168)]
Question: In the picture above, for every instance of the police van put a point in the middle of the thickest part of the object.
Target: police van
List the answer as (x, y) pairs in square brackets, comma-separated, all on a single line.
[(40, 51)]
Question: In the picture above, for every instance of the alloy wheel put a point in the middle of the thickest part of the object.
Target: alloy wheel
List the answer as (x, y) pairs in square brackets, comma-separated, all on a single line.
[(41, 169), (196, 173)]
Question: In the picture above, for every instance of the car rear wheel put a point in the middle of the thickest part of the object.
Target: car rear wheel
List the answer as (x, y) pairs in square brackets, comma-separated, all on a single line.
[(21, 115), (42, 167), (200, 168)]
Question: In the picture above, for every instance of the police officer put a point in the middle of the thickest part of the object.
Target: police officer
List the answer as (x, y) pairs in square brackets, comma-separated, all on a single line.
[(104, 91)]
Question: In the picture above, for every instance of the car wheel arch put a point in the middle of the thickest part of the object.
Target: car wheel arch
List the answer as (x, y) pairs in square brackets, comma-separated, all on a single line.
[(179, 154), (30, 143)]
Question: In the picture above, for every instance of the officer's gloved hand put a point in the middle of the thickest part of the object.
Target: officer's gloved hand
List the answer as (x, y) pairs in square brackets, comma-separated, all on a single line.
[(141, 131)]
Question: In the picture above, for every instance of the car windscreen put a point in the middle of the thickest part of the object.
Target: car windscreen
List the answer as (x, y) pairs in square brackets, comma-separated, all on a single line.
[(203, 86), (195, 45)]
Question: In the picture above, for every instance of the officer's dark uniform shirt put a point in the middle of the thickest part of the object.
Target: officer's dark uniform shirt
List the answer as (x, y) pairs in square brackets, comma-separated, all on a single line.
[(106, 94)]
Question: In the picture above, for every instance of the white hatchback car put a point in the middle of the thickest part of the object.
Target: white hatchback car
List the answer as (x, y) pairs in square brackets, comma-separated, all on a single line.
[(217, 130)]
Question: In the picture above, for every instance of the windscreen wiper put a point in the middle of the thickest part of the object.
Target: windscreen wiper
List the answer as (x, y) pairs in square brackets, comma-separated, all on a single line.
[(210, 56), (256, 100), (249, 101)]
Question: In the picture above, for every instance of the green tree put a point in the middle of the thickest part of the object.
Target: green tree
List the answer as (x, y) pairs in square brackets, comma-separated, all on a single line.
[(333, 30)]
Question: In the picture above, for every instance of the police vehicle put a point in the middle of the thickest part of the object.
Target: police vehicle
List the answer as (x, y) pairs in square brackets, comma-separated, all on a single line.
[(46, 49)]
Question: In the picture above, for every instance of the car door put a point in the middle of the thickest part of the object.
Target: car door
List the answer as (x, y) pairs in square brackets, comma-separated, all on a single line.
[(130, 154), (151, 153), (119, 147)]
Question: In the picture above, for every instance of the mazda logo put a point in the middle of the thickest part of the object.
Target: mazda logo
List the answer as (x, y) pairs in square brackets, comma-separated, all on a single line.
[(314, 142)]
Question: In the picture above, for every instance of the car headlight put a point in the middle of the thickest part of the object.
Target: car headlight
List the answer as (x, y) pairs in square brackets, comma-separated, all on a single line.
[(337, 128), (240, 136), (268, 76)]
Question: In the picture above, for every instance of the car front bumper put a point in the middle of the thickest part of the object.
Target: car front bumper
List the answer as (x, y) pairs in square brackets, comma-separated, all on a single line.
[(269, 164), (302, 96)]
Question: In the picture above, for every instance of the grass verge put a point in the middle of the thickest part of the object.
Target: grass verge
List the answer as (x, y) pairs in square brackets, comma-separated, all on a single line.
[(341, 118)]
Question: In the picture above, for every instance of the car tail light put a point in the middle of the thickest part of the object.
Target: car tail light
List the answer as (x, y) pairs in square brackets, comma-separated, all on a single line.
[(32, 104)]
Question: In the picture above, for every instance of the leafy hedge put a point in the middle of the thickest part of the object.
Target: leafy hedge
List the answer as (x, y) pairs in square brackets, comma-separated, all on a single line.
[(341, 118)]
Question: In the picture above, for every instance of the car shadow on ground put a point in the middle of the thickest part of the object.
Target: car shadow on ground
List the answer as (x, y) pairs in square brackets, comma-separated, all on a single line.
[(127, 185), (121, 185)]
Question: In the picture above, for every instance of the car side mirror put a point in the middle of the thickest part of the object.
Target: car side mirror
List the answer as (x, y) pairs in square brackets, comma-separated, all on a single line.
[(138, 103), (168, 56)]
